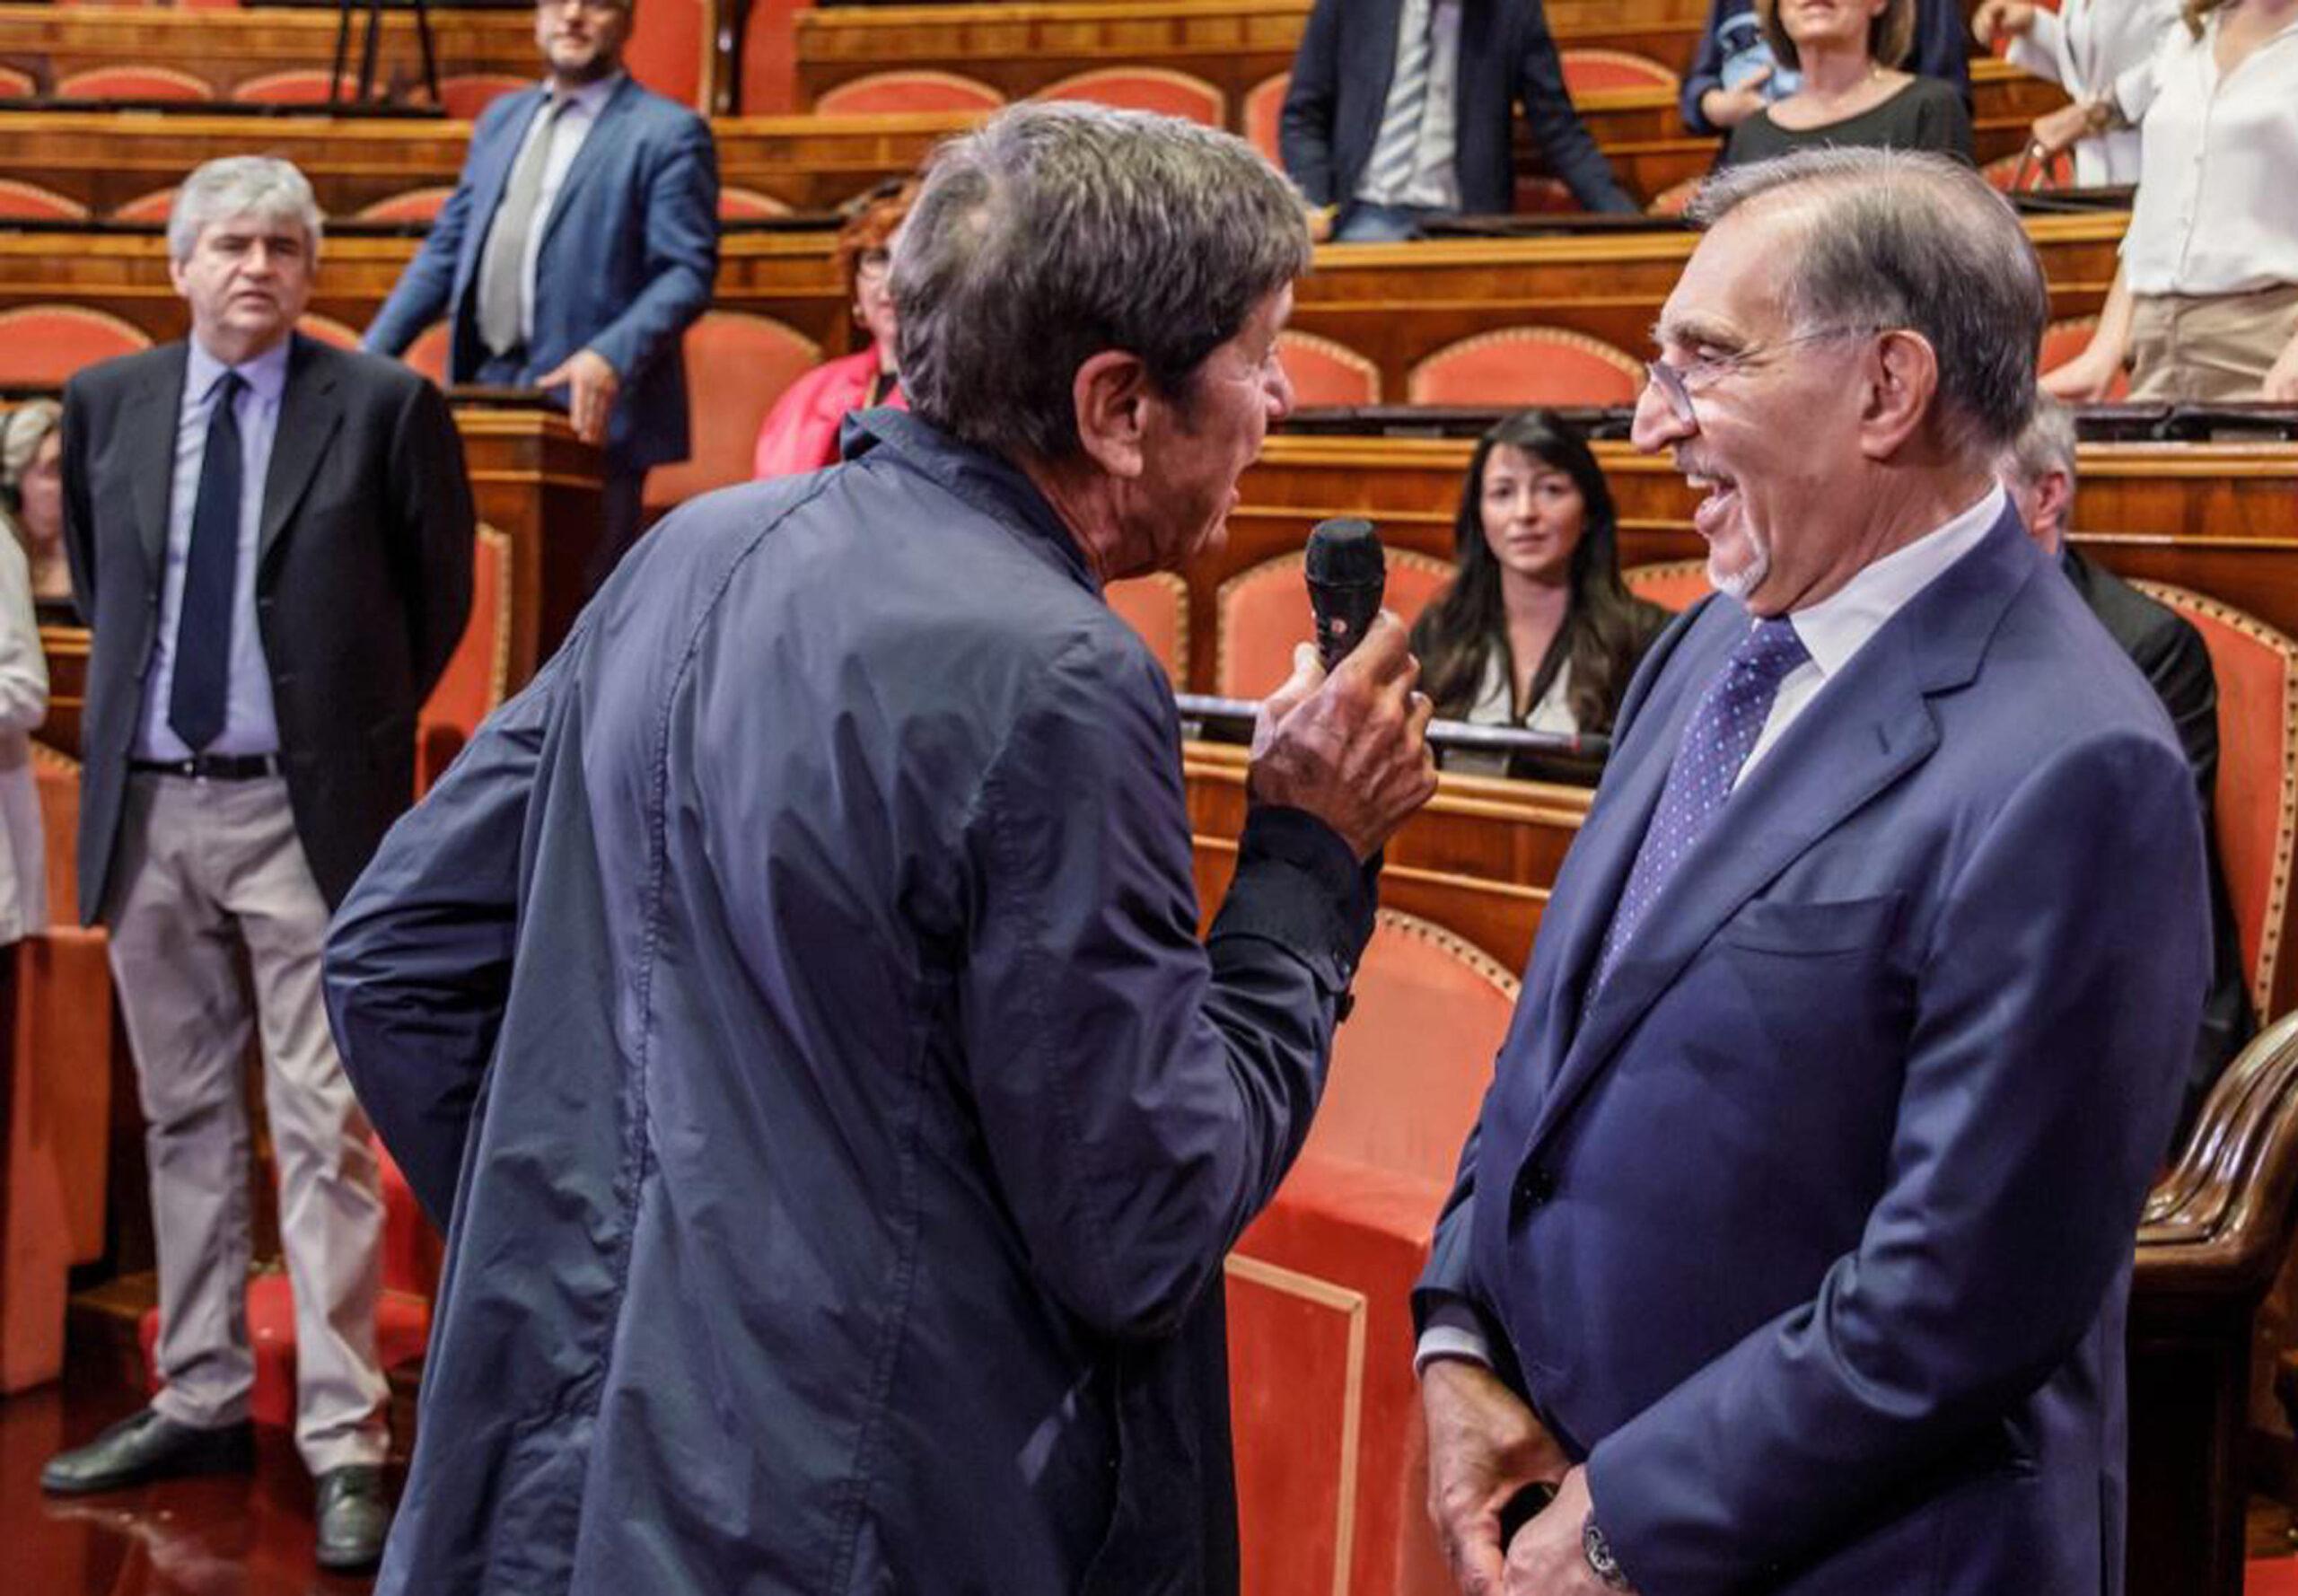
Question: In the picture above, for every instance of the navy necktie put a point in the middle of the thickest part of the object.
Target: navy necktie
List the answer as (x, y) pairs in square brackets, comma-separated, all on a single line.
[(203, 663), (1717, 740)]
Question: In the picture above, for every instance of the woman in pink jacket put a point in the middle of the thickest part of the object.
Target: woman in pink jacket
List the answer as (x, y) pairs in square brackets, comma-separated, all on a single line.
[(801, 432)]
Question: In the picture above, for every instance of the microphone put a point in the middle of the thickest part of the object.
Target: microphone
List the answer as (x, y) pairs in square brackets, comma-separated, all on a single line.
[(1346, 577)]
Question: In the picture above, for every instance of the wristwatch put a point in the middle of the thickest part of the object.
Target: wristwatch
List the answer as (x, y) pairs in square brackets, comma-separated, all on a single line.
[(1598, 1553)]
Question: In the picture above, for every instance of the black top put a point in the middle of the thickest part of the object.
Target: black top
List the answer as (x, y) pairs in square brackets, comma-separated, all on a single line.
[(1925, 115)]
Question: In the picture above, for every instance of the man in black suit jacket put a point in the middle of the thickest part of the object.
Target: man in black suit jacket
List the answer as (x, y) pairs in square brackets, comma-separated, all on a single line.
[(1370, 136), (271, 540), (2039, 474)]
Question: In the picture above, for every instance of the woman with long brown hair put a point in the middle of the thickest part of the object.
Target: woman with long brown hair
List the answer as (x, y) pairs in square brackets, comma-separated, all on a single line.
[(1537, 630)]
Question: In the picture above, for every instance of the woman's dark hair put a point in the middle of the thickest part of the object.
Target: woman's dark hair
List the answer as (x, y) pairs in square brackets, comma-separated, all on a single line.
[(1605, 629)]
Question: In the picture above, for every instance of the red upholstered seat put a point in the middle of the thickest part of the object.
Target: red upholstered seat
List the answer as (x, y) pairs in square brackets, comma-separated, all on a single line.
[(1597, 71), (748, 205), (2007, 172), (1673, 585), (134, 81), (737, 365), (1526, 366), (1330, 1448), (428, 353), (1264, 109), (411, 205), (327, 331), (17, 86), (153, 207), (297, 85), (42, 346), (894, 93), (2063, 340), (31, 202), (1326, 372), (1261, 613), (477, 672), (1146, 88), (466, 94), (2256, 811), (670, 49), (1156, 606)]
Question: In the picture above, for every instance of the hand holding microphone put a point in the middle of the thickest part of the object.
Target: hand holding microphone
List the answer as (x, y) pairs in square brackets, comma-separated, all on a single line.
[(1345, 738)]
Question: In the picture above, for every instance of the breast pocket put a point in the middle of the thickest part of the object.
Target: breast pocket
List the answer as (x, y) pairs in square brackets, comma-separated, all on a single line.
[(1813, 930)]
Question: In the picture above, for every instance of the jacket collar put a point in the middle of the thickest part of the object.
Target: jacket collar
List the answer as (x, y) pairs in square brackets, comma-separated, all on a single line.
[(988, 482)]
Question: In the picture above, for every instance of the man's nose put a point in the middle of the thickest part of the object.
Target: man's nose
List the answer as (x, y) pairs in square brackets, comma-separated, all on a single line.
[(1656, 424)]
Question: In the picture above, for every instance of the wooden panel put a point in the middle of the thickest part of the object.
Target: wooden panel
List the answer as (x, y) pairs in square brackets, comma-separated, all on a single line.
[(226, 47), (788, 275), (104, 159), (1398, 303)]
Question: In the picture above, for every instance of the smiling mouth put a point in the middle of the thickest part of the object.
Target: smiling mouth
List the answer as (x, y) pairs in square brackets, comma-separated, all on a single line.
[(1722, 497)]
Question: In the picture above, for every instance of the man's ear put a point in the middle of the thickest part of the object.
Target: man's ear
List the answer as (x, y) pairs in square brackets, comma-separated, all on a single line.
[(1901, 371), (2054, 497), (1112, 393)]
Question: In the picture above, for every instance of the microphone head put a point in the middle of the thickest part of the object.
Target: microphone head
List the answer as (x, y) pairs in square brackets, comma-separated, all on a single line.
[(1345, 552)]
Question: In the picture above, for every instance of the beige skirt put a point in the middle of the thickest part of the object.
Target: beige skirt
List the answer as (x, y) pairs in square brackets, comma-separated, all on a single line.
[(2205, 348)]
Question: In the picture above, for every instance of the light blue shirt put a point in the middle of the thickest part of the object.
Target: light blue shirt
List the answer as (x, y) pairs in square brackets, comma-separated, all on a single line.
[(251, 723)]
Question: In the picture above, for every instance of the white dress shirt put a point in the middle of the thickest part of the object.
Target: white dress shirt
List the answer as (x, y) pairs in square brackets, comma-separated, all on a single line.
[(2218, 205), (251, 723), (566, 135), (1435, 183), (2089, 48), (1832, 631)]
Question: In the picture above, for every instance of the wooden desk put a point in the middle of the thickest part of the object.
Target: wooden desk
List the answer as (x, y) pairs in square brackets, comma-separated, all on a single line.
[(1398, 303), (225, 49), (105, 159), (788, 275)]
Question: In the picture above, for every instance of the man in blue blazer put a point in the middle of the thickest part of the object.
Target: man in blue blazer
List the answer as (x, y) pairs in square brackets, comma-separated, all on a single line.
[(1793, 1246), (579, 242), (1368, 137)]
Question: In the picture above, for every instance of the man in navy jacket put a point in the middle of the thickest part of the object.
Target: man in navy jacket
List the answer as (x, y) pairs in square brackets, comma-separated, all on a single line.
[(1495, 53), (579, 242), (1793, 1243), (796, 996)]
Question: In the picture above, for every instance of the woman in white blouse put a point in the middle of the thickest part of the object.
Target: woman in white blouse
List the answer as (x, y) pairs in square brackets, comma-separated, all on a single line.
[(23, 705), (2087, 48), (2206, 304)]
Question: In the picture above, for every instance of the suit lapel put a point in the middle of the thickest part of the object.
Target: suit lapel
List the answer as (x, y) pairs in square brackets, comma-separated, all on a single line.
[(1867, 728), (152, 424), (309, 413), (597, 143)]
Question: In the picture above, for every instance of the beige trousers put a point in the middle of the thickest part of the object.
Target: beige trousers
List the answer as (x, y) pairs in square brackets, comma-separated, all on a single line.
[(2203, 349), (208, 871)]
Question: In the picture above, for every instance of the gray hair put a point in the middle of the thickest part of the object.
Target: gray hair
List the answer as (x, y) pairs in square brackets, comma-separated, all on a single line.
[(237, 185), (2044, 446), (1055, 232), (21, 433), (1905, 239)]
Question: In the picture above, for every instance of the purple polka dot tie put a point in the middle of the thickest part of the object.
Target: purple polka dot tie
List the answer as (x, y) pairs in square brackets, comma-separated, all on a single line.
[(1723, 730)]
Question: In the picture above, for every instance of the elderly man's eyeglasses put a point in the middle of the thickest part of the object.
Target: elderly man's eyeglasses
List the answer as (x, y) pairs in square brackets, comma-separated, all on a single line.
[(1677, 383)]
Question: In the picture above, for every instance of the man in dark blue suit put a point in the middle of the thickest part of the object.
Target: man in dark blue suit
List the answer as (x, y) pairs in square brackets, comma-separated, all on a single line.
[(1399, 111), (579, 242), (1793, 1246)]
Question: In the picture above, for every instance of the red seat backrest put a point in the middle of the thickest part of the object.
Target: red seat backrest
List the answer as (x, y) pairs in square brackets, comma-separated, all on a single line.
[(42, 346), (1156, 606), (1527, 365), (737, 365), (1261, 613)]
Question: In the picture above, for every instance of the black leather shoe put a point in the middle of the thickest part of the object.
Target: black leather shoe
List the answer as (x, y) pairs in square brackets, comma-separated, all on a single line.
[(147, 1446), (352, 1518)]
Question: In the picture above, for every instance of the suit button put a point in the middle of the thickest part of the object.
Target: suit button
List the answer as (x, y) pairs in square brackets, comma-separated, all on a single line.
[(1535, 1185)]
